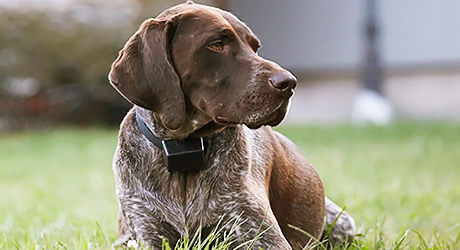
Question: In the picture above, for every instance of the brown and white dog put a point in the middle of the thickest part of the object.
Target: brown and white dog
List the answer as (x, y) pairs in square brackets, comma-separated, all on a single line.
[(194, 72)]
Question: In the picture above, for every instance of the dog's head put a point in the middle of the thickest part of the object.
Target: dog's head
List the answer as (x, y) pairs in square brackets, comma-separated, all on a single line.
[(198, 64)]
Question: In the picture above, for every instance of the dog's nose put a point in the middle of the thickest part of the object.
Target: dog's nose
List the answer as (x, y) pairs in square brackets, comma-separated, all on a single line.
[(283, 80)]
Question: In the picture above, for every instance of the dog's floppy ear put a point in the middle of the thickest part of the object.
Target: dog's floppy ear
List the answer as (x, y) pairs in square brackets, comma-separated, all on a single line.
[(144, 74)]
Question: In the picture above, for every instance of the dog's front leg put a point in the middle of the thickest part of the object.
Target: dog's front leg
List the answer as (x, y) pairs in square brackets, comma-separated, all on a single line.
[(258, 231), (145, 223)]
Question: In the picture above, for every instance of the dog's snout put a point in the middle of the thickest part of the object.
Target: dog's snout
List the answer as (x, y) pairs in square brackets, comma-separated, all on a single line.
[(283, 80)]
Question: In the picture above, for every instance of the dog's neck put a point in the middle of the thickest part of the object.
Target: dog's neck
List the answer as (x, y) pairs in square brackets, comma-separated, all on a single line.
[(196, 125), (179, 154)]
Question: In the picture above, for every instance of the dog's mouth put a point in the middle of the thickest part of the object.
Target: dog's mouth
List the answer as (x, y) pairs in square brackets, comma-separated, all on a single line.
[(255, 121), (273, 119), (225, 121), (254, 111)]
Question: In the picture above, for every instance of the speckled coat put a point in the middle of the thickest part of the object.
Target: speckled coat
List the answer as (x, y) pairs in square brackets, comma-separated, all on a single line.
[(194, 71)]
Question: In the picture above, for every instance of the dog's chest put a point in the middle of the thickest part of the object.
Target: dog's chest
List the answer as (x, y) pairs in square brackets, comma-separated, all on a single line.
[(223, 190), (216, 193)]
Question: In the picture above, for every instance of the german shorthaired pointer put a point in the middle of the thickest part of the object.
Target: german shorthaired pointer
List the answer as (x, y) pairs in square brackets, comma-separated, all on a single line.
[(196, 152)]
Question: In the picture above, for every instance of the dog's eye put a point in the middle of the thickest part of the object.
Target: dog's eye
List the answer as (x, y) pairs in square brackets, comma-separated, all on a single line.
[(218, 46)]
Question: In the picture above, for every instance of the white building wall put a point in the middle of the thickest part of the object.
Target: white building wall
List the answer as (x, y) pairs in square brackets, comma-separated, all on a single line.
[(328, 34)]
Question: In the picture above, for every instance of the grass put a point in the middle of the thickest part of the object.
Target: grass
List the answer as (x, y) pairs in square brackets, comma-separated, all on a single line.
[(400, 183), (57, 190), (392, 179)]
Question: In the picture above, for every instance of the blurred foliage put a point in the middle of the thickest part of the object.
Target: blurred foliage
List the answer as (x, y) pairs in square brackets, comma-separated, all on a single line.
[(55, 49), (58, 47), (67, 52)]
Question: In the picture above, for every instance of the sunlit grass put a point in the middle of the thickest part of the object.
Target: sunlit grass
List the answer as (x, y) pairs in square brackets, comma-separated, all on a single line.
[(392, 179), (57, 190), (401, 183)]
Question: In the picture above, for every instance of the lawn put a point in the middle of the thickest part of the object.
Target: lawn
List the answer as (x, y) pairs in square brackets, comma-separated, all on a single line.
[(400, 182)]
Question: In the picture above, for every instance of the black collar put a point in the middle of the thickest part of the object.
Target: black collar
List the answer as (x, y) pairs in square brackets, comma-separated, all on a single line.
[(179, 155)]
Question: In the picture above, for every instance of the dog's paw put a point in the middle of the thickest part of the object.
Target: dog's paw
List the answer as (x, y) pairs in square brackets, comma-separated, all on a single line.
[(132, 244), (124, 242), (343, 231)]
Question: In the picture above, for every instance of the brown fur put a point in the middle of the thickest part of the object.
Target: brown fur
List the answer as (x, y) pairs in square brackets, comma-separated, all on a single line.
[(194, 71)]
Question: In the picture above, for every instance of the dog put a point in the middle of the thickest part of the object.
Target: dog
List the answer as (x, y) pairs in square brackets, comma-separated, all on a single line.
[(197, 149)]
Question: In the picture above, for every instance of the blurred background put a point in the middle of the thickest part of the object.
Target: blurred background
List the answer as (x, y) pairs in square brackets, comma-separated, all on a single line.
[(358, 60)]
